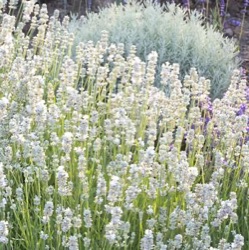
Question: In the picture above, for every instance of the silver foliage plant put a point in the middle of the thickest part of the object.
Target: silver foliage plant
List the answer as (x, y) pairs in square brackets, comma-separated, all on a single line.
[(177, 36)]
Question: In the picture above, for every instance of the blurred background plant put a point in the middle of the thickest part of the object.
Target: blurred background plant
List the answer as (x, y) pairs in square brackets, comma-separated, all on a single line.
[(188, 43), (227, 16)]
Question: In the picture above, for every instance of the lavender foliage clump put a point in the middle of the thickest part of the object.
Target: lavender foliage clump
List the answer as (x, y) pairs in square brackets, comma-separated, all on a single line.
[(188, 43)]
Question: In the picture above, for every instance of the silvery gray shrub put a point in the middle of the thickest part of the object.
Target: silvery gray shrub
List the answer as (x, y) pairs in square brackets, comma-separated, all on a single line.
[(177, 35)]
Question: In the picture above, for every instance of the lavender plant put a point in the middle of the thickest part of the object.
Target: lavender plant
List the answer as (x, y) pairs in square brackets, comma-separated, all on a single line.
[(93, 156), (187, 43)]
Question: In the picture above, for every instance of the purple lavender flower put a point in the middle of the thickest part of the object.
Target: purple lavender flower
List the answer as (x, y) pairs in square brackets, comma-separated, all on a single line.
[(247, 139), (216, 132), (222, 8), (210, 106), (243, 72), (234, 22), (246, 3), (185, 3), (242, 110), (207, 120), (247, 94), (225, 162), (89, 5)]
